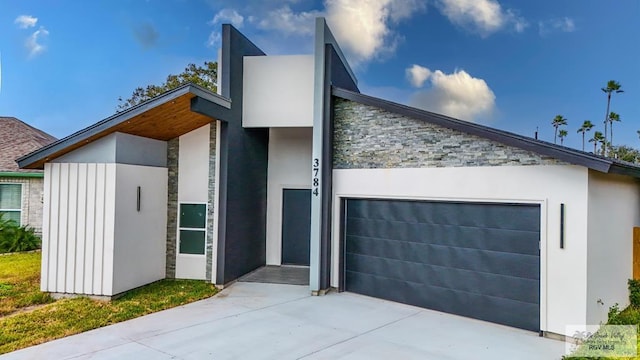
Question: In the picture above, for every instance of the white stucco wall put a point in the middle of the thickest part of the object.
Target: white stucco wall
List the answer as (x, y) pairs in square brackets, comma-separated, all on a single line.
[(140, 236), (614, 209), (289, 168), (78, 228), (193, 187), (278, 91), (563, 271)]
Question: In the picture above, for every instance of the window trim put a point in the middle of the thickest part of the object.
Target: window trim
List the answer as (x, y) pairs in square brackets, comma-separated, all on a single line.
[(19, 211), (204, 229)]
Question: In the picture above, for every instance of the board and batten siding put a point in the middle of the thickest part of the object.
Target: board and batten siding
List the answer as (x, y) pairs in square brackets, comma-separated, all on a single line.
[(78, 228), (93, 233)]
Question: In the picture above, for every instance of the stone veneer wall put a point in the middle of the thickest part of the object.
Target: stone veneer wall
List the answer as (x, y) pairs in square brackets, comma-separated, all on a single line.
[(32, 199), (366, 137), (211, 199), (172, 206)]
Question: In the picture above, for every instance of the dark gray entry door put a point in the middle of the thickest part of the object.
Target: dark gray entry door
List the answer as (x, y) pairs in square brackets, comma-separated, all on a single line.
[(480, 260), (296, 226)]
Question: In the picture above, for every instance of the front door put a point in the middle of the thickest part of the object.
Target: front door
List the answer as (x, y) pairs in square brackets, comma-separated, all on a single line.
[(296, 226)]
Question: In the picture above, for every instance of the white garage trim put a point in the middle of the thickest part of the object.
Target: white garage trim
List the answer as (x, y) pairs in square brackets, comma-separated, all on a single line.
[(562, 282)]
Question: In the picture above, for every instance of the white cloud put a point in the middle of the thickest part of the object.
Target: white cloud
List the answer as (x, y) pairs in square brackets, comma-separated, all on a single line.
[(228, 16), (417, 75), (214, 39), (26, 21), (288, 22), (363, 29), (458, 95), (564, 24), (33, 43), (482, 16)]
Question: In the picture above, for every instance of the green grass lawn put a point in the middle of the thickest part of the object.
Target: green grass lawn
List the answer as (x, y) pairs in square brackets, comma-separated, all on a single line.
[(20, 282), (19, 288)]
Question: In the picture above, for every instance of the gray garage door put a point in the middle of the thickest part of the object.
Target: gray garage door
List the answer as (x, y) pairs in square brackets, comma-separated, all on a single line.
[(479, 260)]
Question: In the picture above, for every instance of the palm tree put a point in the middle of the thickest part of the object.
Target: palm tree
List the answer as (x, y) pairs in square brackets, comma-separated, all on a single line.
[(612, 87), (586, 126), (558, 121), (562, 134), (596, 139), (612, 117)]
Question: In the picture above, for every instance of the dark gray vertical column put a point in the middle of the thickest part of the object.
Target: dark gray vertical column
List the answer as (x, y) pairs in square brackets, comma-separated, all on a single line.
[(336, 74), (243, 171)]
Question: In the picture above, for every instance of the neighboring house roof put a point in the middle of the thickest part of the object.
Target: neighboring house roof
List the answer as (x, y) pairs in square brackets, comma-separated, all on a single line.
[(164, 117), (18, 139), (571, 156)]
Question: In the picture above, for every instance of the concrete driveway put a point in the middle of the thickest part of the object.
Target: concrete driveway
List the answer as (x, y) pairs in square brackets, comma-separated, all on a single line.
[(270, 321)]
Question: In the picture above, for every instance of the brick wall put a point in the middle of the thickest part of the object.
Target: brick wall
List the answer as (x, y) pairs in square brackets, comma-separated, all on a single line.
[(32, 199), (367, 137)]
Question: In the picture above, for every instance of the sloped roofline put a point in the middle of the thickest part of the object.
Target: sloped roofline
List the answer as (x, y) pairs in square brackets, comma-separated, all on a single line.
[(119, 118), (571, 156)]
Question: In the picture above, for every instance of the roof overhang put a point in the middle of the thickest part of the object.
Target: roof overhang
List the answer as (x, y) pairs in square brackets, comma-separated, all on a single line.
[(165, 117), (571, 156)]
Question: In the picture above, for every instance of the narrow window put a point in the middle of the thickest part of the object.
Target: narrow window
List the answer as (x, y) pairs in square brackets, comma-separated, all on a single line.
[(11, 202), (192, 228)]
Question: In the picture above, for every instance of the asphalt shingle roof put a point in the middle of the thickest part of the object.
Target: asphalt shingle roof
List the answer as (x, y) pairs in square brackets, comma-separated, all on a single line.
[(18, 139)]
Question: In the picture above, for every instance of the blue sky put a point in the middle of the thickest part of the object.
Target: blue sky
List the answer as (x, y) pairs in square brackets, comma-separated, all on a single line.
[(513, 65)]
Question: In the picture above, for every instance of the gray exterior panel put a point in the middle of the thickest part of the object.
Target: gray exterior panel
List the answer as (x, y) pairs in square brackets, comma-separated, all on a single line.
[(479, 260), (243, 172)]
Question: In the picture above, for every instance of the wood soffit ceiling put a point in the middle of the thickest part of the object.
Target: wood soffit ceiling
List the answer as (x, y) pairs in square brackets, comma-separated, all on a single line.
[(163, 122)]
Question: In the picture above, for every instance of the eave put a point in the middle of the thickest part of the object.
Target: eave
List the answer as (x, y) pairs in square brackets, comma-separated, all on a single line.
[(165, 117)]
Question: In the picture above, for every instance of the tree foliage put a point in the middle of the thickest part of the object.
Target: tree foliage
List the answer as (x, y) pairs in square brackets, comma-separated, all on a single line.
[(613, 87), (558, 121), (625, 153), (586, 126), (562, 134), (613, 117), (205, 76), (597, 138)]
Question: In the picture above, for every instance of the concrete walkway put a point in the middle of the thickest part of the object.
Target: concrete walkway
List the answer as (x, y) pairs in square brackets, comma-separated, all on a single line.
[(271, 321)]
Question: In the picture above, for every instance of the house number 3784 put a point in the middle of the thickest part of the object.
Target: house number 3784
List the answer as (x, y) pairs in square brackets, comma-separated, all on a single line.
[(316, 179)]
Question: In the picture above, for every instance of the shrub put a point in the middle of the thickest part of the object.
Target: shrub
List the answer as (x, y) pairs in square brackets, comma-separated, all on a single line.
[(15, 238), (634, 292)]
